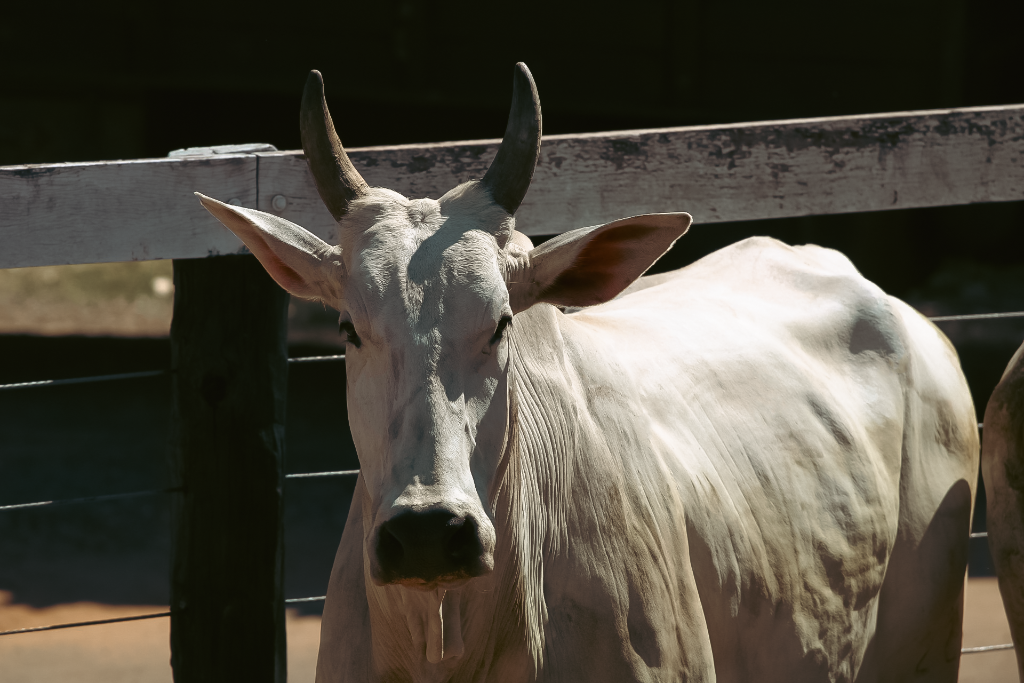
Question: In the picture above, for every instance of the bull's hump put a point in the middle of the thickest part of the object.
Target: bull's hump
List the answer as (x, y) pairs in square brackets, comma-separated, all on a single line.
[(758, 291)]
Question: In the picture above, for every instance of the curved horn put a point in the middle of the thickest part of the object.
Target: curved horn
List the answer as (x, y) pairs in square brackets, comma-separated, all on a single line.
[(509, 175), (337, 180)]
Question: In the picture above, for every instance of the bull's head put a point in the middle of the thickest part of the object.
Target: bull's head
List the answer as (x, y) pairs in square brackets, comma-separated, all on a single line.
[(428, 291)]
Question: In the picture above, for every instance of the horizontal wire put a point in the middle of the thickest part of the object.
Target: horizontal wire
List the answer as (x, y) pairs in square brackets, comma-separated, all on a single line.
[(54, 627), (88, 499), (134, 494), (82, 380), (341, 356), (316, 359), (135, 375), (985, 648), (975, 316), (307, 475), (137, 617)]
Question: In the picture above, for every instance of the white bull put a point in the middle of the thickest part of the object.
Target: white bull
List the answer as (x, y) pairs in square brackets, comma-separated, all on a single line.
[(757, 468)]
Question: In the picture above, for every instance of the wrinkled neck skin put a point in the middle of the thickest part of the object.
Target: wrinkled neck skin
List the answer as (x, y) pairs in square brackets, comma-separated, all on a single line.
[(491, 627)]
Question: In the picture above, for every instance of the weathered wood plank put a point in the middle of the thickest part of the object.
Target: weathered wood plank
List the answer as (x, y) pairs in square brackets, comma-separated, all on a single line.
[(56, 214), (717, 173), (792, 168), (230, 363)]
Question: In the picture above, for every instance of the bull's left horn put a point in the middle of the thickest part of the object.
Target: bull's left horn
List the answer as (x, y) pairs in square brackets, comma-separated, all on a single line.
[(337, 180), (509, 175)]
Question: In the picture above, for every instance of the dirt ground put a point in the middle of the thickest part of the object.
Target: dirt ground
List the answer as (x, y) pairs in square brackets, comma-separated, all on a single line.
[(137, 652), (985, 624), (129, 652)]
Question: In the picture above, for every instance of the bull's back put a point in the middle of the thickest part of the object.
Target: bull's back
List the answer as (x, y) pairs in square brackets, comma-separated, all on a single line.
[(783, 389)]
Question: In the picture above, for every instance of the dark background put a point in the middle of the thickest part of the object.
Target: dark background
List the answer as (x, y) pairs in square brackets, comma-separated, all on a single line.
[(107, 80)]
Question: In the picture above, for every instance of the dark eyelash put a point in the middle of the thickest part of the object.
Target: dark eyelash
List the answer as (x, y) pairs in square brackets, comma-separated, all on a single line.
[(502, 324), (348, 329)]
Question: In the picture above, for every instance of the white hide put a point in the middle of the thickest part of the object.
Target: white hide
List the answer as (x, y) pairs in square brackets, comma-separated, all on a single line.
[(756, 468)]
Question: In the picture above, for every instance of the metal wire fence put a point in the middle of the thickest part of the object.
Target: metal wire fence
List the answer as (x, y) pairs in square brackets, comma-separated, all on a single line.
[(308, 475), (137, 494)]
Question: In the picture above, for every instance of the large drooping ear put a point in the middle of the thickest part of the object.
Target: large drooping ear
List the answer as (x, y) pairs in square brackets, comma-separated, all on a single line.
[(298, 260), (590, 266)]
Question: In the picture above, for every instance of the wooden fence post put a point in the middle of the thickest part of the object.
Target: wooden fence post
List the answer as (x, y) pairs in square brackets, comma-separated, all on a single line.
[(229, 354)]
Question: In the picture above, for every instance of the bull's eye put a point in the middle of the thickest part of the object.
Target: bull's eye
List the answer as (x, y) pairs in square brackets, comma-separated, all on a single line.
[(500, 331), (346, 328)]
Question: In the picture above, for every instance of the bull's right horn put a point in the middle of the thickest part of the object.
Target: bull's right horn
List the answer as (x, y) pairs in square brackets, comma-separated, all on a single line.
[(509, 175), (337, 180)]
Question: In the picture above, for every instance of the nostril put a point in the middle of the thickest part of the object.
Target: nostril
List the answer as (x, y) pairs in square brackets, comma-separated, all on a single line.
[(430, 545), (464, 544), (389, 548)]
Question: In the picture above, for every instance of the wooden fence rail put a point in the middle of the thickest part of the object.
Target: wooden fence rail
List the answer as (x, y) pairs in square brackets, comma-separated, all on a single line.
[(144, 209), (229, 360)]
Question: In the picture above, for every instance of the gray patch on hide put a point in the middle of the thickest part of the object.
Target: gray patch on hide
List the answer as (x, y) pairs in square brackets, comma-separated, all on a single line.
[(872, 333)]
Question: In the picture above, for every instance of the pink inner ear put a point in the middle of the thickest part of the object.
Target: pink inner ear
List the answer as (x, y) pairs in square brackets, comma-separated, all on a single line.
[(283, 273), (606, 265)]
